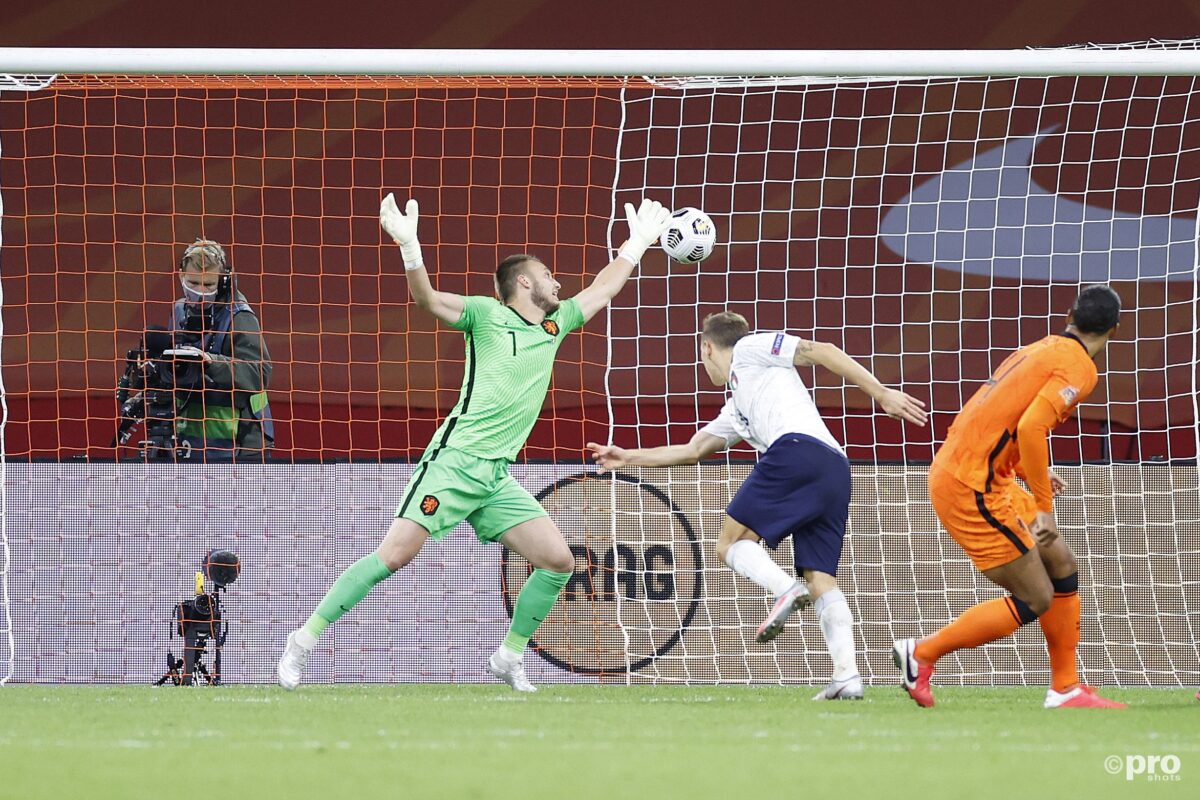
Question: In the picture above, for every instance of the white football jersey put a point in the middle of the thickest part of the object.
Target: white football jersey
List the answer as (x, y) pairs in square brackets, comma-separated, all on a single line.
[(767, 397)]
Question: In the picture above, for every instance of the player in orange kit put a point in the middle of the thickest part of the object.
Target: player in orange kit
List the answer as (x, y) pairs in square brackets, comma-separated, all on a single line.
[(1002, 433)]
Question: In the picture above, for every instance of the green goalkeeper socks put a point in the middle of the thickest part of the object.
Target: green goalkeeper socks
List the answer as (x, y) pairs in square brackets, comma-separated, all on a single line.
[(351, 586), (533, 604)]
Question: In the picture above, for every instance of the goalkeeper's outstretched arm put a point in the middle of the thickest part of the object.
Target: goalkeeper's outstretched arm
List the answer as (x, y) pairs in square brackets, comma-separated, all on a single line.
[(646, 225), (702, 445), (895, 403), (402, 227)]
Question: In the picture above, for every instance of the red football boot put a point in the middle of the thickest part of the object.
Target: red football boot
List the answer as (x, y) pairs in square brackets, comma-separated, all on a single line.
[(913, 673), (1082, 696)]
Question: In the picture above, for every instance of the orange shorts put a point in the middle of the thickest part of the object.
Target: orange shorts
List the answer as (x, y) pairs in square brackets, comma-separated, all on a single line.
[(992, 528)]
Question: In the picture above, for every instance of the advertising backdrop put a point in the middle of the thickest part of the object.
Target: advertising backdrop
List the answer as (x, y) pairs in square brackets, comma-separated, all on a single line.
[(101, 554)]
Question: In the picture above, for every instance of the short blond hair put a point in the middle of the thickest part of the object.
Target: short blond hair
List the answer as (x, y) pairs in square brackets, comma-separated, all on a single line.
[(204, 255), (725, 328)]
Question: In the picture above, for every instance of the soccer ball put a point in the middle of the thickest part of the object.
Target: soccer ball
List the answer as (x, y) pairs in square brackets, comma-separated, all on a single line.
[(690, 237)]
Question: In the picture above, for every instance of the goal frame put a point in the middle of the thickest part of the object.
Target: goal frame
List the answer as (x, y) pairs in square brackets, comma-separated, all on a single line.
[(622, 65)]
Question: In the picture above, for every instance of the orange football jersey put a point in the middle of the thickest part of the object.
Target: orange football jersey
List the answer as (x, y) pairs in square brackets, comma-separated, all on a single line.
[(981, 447)]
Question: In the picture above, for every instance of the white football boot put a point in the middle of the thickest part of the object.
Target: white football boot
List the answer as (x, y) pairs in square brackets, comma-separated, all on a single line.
[(295, 658), (848, 689), (510, 668), (794, 599)]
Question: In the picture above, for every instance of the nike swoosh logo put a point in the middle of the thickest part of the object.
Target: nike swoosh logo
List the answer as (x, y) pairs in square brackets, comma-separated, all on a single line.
[(987, 216), (912, 676)]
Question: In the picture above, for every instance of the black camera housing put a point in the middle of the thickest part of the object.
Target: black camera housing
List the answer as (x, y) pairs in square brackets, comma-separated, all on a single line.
[(161, 374)]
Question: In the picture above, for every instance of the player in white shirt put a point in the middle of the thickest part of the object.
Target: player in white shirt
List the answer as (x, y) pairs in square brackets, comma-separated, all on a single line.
[(800, 486)]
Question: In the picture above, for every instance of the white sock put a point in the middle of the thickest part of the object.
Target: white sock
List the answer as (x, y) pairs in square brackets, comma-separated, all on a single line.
[(504, 654), (304, 639), (752, 562), (837, 626)]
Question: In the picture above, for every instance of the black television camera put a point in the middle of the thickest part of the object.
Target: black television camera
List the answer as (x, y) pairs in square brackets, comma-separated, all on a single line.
[(197, 621), (161, 374)]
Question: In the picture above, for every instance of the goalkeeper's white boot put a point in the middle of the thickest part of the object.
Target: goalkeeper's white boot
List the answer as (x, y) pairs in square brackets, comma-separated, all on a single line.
[(794, 599), (295, 658), (510, 668), (848, 689)]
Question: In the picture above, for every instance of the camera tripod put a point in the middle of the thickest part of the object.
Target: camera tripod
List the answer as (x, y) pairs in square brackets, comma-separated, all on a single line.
[(197, 621)]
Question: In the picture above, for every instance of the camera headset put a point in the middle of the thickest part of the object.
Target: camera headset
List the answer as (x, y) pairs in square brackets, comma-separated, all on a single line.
[(209, 252)]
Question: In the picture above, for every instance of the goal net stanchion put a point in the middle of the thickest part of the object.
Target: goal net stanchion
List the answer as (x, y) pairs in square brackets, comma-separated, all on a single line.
[(926, 225)]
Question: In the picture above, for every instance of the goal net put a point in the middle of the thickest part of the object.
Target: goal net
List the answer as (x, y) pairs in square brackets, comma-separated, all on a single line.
[(927, 226)]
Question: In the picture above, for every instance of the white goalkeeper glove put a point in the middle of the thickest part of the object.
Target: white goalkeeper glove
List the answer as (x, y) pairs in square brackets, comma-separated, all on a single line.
[(646, 225), (402, 227)]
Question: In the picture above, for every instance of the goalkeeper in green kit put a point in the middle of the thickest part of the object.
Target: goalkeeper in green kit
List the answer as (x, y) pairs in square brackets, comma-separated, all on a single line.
[(463, 475)]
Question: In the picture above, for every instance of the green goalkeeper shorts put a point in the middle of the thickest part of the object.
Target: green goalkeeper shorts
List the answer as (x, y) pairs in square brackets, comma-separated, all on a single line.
[(451, 486)]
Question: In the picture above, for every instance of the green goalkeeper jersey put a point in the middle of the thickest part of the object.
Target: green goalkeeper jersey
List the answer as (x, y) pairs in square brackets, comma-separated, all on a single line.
[(509, 361)]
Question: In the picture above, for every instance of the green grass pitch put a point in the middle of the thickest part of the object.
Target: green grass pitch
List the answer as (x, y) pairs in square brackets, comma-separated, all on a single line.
[(574, 742)]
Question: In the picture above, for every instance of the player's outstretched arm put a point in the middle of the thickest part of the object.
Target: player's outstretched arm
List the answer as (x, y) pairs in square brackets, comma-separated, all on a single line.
[(402, 227), (895, 403), (646, 225), (609, 457)]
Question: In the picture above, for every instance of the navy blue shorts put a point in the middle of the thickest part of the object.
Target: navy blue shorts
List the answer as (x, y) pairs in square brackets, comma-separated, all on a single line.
[(799, 488)]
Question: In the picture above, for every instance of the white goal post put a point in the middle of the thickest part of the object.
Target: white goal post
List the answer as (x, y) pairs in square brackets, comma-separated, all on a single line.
[(927, 211)]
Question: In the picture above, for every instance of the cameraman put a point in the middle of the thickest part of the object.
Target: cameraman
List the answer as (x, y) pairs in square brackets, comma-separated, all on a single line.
[(229, 418)]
